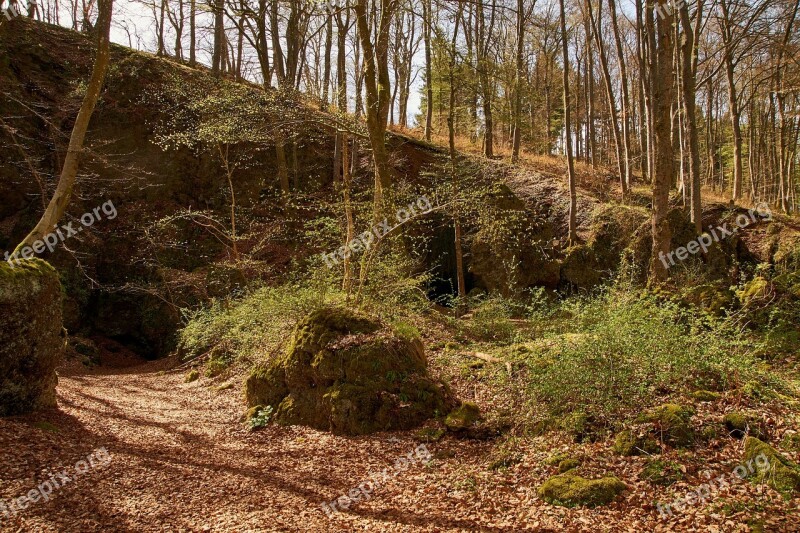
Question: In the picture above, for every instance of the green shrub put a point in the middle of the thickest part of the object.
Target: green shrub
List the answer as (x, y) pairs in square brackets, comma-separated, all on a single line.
[(255, 324), (624, 349)]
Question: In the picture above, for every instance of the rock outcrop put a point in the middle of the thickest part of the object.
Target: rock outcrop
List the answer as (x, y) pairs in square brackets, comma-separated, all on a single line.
[(31, 344)]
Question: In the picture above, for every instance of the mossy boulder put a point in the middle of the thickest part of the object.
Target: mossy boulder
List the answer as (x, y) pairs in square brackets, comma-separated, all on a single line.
[(349, 374), (672, 424), (766, 465), (629, 444), (570, 490), (568, 464), (663, 473), (462, 417), (739, 424), (31, 345), (705, 395)]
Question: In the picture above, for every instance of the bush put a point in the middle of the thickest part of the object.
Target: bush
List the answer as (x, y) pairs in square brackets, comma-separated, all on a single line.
[(624, 349), (251, 326)]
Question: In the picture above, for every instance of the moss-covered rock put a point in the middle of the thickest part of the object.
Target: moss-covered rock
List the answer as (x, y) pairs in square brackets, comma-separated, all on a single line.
[(672, 424), (739, 424), (31, 345), (84, 350), (628, 444), (769, 466), (349, 374), (705, 395), (659, 472), (462, 416), (568, 464), (192, 376), (710, 297), (570, 490)]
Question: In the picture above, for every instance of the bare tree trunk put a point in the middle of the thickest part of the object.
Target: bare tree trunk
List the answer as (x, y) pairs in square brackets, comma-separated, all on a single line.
[(61, 197), (326, 78), (482, 46), (219, 38), (626, 104), (427, 15), (520, 66), (663, 81), (347, 281), (459, 253), (192, 32), (689, 95), (377, 83), (573, 233), (612, 106)]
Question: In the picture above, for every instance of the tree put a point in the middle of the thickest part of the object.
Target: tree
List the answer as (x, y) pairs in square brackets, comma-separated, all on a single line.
[(377, 84), (69, 171), (573, 234), (662, 77)]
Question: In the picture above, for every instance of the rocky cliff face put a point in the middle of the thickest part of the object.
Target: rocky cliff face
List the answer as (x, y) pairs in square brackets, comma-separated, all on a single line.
[(31, 341)]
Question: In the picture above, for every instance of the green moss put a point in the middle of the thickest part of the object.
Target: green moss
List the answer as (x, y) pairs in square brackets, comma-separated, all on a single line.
[(672, 424), (193, 375), (771, 467), (755, 289), (662, 473), (462, 416), (570, 490), (575, 424), (628, 444), (568, 464), (350, 374), (31, 342), (710, 297), (556, 458), (432, 434), (215, 367), (738, 425), (791, 442), (706, 396)]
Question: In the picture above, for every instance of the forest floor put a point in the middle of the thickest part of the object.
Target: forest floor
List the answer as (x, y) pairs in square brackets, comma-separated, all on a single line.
[(180, 460)]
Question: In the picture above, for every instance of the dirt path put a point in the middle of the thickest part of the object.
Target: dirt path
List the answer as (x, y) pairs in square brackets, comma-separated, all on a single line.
[(181, 461)]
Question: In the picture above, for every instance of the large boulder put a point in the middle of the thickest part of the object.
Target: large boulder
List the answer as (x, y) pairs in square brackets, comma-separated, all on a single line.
[(349, 374), (31, 344)]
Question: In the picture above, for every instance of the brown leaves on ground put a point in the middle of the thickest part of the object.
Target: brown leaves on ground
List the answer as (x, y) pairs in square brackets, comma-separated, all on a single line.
[(181, 461)]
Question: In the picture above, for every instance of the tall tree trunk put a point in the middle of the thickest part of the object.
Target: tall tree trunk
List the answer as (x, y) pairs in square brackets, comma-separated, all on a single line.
[(520, 66), (326, 77), (61, 197), (427, 22), (612, 106), (573, 233), (377, 83), (626, 104), (219, 37), (487, 87), (663, 84), (733, 100), (689, 97), (192, 32)]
